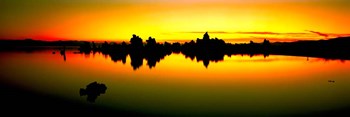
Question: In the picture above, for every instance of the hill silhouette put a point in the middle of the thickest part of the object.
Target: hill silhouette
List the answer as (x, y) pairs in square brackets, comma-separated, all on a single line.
[(30, 45)]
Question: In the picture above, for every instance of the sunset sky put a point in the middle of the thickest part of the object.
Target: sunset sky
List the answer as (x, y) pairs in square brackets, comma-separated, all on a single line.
[(170, 20)]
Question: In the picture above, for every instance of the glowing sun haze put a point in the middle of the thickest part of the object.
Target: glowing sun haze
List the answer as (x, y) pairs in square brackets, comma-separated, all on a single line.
[(173, 20)]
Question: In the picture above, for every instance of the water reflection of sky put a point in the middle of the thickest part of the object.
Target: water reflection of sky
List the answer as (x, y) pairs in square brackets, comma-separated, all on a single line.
[(239, 84)]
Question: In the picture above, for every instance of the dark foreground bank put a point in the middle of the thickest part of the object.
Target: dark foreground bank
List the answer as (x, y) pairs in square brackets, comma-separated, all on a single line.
[(21, 102)]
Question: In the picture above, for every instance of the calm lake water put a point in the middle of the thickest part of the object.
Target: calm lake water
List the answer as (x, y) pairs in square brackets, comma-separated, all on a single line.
[(178, 86)]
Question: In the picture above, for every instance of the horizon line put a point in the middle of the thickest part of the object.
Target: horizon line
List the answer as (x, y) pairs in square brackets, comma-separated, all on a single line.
[(229, 40), (251, 35)]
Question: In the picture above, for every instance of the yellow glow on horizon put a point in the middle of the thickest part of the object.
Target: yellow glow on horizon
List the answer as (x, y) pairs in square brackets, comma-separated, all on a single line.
[(169, 21)]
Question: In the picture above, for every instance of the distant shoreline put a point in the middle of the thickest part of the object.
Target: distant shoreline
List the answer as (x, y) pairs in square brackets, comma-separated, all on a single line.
[(205, 49)]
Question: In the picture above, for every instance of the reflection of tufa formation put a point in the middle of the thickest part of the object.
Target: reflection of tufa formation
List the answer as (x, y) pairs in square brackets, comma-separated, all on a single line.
[(93, 90), (152, 51), (213, 50)]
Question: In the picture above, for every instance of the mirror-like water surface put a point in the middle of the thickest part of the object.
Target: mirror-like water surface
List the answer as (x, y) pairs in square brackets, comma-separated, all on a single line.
[(238, 85)]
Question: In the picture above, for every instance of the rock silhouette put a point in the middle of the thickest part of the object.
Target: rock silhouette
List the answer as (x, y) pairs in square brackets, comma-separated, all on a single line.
[(93, 90)]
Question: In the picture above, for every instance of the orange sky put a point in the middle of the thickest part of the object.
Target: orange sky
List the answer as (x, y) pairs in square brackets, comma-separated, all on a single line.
[(181, 20)]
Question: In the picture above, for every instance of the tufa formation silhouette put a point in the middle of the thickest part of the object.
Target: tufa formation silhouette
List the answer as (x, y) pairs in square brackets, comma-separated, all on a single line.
[(208, 50)]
